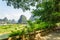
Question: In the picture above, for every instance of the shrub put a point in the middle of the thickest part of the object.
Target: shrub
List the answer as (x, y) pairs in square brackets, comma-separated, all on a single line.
[(39, 26), (15, 33)]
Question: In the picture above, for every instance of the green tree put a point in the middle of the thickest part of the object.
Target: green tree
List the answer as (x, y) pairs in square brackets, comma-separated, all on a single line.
[(48, 11), (44, 8), (24, 4)]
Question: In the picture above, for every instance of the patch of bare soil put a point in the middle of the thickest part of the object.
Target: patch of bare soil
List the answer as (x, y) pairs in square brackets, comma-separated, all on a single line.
[(51, 35)]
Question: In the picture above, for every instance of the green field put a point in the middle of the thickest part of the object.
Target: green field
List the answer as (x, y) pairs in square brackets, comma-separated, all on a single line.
[(9, 28)]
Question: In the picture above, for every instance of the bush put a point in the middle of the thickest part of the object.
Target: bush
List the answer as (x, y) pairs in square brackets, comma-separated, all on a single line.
[(41, 25), (15, 33)]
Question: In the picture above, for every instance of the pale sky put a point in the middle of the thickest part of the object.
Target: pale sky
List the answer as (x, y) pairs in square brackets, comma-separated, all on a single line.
[(11, 13)]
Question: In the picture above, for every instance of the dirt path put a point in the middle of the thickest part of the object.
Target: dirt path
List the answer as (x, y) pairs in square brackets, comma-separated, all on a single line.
[(55, 35)]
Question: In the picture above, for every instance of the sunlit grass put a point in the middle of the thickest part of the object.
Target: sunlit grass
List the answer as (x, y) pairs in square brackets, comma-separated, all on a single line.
[(58, 24), (9, 28), (14, 27)]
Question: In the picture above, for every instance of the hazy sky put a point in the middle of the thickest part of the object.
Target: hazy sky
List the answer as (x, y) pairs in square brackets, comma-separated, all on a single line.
[(10, 12)]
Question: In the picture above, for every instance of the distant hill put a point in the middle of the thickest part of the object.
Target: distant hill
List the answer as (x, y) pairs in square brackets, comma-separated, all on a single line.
[(6, 21), (32, 18), (22, 19)]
